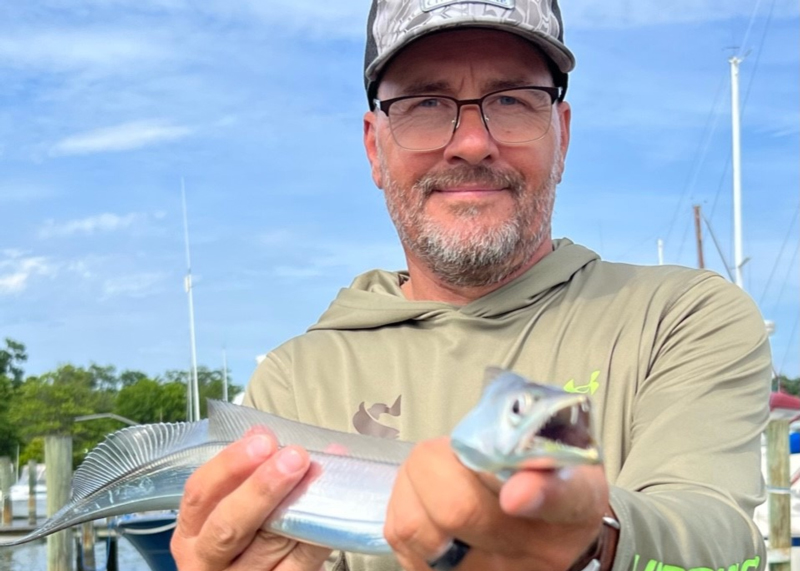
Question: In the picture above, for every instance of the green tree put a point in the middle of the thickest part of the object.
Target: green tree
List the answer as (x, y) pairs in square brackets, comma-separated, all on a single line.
[(128, 378), (210, 383), (787, 385), (173, 401), (50, 403), (11, 374), (11, 359), (34, 450), (147, 400), (9, 435), (104, 379)]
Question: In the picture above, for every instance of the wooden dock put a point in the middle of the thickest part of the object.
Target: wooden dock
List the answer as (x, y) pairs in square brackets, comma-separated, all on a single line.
[(101, 528)]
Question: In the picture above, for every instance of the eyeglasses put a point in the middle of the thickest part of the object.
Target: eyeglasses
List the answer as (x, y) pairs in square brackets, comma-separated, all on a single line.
[(428, 122)]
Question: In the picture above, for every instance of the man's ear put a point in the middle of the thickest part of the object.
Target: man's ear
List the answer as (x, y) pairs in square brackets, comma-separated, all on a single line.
[(371, 146), (564, 119)]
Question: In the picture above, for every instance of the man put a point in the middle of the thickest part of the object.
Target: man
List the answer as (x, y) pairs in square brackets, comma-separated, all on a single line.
[(466, 134)]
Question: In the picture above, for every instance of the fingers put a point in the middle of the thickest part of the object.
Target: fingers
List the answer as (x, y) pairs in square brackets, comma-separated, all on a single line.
[(540, 519), (415, 539), (435, 500), (576, 495), (454, 499), (226, 503), (233, 525), (289, 555), (220, 476)]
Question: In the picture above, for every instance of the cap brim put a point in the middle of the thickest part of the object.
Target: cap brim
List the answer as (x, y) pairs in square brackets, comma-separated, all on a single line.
[(552, 48)]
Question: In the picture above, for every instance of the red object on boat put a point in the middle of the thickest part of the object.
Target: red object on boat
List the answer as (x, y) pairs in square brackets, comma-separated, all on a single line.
[(784, 406), (784, 401)]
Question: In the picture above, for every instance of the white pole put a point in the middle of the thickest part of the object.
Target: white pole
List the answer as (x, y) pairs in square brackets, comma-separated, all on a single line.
[(224, 376), (660, 252), (737, 172), (194, 389)]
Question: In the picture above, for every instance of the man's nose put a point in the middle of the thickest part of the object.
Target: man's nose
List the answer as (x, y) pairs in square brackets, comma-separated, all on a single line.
[(471, 140)]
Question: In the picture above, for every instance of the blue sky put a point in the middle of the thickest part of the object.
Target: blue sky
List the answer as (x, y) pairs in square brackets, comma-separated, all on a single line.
[(106, 104)]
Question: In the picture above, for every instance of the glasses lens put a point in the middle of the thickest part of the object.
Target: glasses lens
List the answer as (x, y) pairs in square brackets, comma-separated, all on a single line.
[(518, 115), (422, 123)]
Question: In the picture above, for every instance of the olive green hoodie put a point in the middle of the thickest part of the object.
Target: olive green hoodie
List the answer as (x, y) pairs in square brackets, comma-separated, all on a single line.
[(676, 362)]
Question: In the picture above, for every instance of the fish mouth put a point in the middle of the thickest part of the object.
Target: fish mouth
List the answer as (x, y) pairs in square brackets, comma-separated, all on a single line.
[(562, 437), (474, 459)]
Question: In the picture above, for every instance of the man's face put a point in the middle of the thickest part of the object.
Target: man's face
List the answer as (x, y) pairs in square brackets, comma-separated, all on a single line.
[(474, 211)]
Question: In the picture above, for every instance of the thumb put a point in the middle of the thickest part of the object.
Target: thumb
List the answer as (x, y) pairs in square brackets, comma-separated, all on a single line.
[(577, 495)]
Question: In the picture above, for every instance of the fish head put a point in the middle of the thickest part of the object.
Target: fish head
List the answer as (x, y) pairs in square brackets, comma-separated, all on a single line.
[(520, 424)]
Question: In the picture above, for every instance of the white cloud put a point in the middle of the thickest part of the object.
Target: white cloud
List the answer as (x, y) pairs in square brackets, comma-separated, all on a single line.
[(297, 272), (783, 127), (124, 137), (93, 224), (635, 13), (279, 237), (17, 271), (135, 285), (326, 258), (23, 192), (63, 49), (326, 19)]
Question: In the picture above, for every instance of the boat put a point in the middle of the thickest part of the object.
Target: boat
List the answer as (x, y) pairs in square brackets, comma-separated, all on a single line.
[(20, 493), (150, 534)]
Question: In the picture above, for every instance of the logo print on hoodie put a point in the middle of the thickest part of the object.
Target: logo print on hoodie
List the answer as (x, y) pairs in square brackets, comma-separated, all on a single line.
[(588, 388), (366, 422)]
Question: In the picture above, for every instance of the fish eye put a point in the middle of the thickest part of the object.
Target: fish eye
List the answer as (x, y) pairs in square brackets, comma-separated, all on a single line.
[(520, 407)]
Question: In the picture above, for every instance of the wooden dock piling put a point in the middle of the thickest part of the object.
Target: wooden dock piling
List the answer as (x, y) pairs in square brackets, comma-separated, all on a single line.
[(780, 525), (6, 481), (32, 492), (58, 461), (113, 554), (783, 409), (87, 547)]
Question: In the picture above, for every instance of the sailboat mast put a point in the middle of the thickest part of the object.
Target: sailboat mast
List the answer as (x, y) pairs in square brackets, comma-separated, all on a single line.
[(738, 260), (224, 375), (193, 392)]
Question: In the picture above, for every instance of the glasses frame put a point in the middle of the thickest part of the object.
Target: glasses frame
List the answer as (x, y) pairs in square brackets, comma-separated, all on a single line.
[(386, 105)]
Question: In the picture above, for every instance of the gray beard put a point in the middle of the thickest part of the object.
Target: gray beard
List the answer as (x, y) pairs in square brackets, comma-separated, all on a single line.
[(474, 256)]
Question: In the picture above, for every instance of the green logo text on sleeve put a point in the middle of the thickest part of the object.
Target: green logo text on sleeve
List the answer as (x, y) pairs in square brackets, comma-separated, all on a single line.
[(654, 565)]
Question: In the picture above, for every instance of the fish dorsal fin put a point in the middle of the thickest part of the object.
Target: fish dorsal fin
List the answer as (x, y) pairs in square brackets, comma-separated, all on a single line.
[(228, 422), (130, 449), (491, 373), (497, 380)]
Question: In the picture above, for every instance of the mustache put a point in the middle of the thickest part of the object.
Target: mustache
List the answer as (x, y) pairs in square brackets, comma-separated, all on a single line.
[(475, 174)]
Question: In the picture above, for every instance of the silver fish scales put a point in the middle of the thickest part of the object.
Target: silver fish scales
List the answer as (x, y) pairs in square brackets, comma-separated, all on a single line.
[(341, 502)]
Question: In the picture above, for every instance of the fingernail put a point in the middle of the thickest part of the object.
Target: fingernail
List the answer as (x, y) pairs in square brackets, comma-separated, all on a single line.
[(256, 430), (259, 447), (565, 474), (528, 507), (533, 503), (290, 461)]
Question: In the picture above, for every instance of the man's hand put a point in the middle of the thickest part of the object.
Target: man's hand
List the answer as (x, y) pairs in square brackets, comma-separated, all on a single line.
[(227, 500), (543, 520)]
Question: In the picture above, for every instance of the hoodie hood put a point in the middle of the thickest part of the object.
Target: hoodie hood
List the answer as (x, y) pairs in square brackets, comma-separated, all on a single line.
[(375, 299)]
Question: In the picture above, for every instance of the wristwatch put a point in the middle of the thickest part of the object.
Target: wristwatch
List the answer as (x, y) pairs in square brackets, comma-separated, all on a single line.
[(595, 558), (598, 555)]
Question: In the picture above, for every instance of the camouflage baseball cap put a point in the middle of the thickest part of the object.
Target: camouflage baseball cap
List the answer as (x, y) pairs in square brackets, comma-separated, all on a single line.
[(394, 24)]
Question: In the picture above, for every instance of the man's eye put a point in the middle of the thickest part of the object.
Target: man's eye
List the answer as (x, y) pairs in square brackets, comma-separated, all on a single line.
[(508, 100), (430, 102)]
